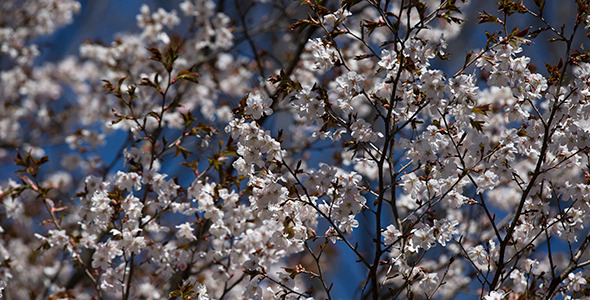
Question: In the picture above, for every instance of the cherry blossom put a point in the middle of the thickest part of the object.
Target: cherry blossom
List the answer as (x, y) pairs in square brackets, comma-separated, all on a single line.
[(247, 150)]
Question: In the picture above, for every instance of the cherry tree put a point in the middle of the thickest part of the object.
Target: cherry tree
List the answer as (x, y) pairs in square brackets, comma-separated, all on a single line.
[(244, 149)]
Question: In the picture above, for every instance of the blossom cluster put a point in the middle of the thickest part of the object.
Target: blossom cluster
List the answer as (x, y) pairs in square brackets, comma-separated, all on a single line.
[(252, 157)]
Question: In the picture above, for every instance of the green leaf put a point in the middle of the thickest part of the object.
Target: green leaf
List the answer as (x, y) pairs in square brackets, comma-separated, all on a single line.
[(300, 25), (156, 55), (182, 150), (477, 125), (485, 17), (187, 75), (154, 115), (348, 4), (481, 109), (540, 4)]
